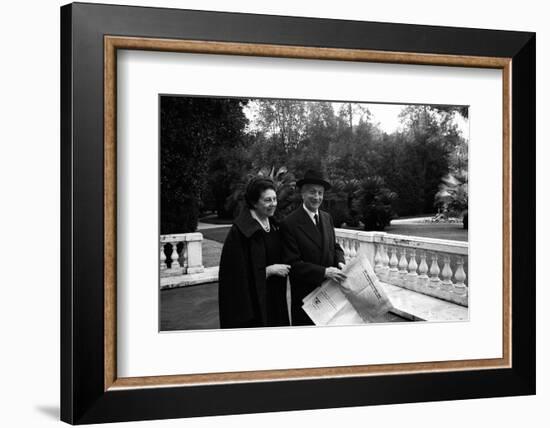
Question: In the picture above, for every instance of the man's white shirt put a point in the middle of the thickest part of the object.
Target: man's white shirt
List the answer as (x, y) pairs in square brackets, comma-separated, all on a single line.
[(311, 214)]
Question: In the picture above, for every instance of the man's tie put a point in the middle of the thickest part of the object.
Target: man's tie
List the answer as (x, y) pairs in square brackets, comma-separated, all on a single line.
[(316, 217)]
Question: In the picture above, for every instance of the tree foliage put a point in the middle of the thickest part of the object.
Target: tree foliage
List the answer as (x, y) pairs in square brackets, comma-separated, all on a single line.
[(452, 197), (285, 184), (419, 157), (373, 202), (286, 119), (194, 132), (209, 152)]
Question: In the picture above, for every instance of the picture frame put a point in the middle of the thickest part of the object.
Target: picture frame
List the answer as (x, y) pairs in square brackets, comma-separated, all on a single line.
[(91, 390)]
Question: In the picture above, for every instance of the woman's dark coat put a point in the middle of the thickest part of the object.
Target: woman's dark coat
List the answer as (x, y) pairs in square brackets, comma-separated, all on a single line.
[(242, 280)]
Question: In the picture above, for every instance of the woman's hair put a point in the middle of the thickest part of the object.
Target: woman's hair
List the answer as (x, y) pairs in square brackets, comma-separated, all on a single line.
[(255, 188)]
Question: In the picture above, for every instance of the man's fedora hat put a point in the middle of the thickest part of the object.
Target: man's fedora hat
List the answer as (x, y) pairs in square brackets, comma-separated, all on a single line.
[(313, 177)]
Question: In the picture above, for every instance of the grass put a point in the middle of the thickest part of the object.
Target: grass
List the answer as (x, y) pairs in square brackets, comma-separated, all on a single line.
[(217, 234), (211, 252), (212, 219), (452, 231), (408, 217)]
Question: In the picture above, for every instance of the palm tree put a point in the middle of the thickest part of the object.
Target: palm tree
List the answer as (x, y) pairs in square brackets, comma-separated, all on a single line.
[(452, 197), (373, 201), (285, 184)]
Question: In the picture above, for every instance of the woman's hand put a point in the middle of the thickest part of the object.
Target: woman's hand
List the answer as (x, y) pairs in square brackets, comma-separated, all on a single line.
[(277, 269)]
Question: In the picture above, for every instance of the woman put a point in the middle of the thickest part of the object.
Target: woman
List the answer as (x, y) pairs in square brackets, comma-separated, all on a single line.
[(252, 282)]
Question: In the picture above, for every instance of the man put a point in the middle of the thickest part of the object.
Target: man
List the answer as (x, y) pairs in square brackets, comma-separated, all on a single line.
[(309, 245)]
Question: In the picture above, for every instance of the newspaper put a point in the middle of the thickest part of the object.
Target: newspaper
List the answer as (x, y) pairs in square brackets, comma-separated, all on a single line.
[(360, 299)]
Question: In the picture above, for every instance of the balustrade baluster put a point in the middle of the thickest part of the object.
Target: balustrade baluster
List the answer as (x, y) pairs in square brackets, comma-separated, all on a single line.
[(423, 270), (446, 274), (162, 258), (385, 262), (353, 251), (175, 256), (393, 273), (434, 272), (346, 249), (460, 276), (378, 260), (412, 275), (402, 265)]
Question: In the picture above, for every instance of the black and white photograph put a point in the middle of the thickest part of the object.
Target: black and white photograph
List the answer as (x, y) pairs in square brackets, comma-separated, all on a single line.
[(291, 212)]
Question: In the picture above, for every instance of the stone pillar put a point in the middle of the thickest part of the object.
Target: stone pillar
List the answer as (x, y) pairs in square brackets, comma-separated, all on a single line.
[(194, 253)]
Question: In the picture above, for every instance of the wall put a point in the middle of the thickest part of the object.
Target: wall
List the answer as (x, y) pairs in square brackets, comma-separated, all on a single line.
[(29, 173)]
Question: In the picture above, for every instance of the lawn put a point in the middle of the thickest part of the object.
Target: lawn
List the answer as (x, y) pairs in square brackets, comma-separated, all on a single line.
[(452, 231), (217, 234)]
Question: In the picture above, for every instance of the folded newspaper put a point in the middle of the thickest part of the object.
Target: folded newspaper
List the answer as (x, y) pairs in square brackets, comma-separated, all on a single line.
[(360, 299)]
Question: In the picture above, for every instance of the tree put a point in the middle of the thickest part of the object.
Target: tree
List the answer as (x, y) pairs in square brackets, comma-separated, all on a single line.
[(452, 197), (192, 129), (354, 112), (284, 182), (284, 118), (339, 201), (227, 166), (349, 147), (373, 202), (419, 157)]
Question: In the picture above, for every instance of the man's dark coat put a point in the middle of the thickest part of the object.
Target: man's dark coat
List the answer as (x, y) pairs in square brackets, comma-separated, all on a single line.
[(242, 294), (308, 249)]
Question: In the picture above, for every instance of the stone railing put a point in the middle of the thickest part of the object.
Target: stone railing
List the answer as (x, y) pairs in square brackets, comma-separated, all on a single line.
[(434, 267), (180, 254)]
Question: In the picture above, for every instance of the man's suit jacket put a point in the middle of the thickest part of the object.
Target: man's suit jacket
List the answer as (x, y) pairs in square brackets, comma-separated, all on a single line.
[(308, 251)]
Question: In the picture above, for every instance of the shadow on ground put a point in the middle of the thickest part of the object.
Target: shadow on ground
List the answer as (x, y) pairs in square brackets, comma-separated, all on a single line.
[(51, 411)]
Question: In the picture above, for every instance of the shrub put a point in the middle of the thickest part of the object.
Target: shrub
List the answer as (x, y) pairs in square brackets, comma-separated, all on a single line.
[(338, 202), (287, 198), (373, 202), (452, 198), (340, 214)]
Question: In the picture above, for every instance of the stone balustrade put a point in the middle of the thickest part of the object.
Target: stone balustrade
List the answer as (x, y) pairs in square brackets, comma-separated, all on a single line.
[(434, 267), (180, 254)]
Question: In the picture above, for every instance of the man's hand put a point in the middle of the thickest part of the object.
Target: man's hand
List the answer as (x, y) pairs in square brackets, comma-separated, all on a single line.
[(335, 274), (341, 265), (277, 269)]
